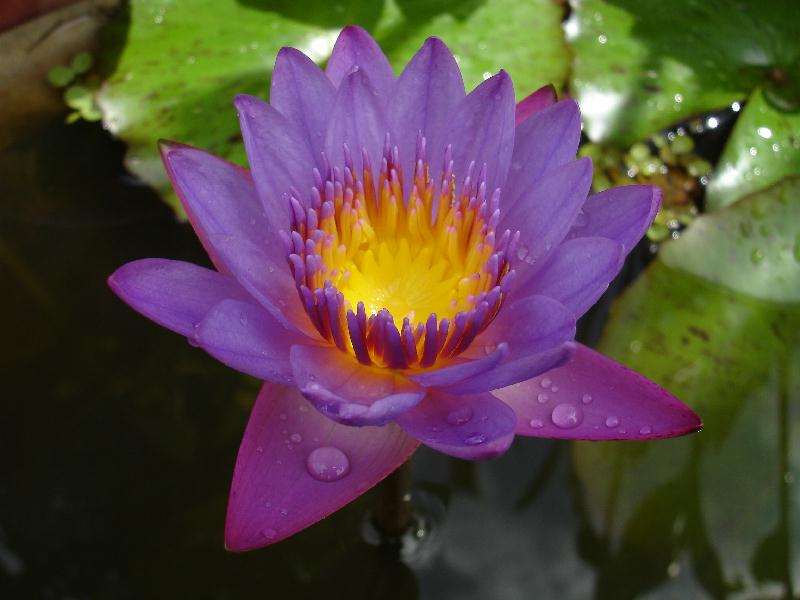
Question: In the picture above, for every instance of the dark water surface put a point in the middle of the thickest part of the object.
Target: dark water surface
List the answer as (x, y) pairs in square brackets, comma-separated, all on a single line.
[(117, 445)]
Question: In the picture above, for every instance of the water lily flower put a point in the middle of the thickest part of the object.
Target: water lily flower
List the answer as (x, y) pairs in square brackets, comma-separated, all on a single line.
[(403, 263)]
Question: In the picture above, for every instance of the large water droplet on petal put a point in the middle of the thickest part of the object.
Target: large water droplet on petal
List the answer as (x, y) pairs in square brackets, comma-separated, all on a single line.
[(567, 416), (536, 423), (475, 439), (327, 464), (612, 422), (460, 415)]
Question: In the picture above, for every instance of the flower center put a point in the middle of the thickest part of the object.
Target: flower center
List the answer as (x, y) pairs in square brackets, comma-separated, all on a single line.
[(399, 279)]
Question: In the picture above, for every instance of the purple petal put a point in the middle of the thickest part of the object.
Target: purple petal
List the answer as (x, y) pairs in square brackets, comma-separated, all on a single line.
[(545, 213), (472, 426), (302, 94), (529, 325), (174, 294), (594, 398), (423, 100), (219, 197), (357, 120), (622, 214), (577, 273), (482, 130), (539, 100), (279, 157), (545, 141), (273, 494), (269, 281), (463, 369), (247, 338), (515, 370), (349, 392), (355, 48)]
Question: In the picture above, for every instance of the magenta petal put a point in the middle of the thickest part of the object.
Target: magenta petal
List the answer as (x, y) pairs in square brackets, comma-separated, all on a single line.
[(273, 494), (268, 280), (578, 272), (472, 426), (594, 398), (533, 103), (463, 369), (355, 48), (357, 120), (545, 141), (279, 157), (174, 294), (349, 392), (515, 370), (482, 130), (247, 338), (218, 197), (302, 94), (622, 214), (422, 101), (546, 212)]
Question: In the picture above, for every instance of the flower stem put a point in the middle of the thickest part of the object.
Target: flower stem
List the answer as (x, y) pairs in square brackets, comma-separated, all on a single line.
[(392, 516)]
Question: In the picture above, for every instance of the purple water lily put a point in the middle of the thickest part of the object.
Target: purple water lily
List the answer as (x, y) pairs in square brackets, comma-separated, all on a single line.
[(402, 263)]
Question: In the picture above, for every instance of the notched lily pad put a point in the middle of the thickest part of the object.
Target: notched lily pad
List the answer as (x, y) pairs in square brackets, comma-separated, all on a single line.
[(752, 246), (640, 66)]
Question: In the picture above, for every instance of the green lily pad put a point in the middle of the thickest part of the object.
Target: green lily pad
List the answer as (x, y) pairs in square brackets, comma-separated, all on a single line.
[(752, 246), (181, 63), (641, 66), (713, 500), (763, 147)]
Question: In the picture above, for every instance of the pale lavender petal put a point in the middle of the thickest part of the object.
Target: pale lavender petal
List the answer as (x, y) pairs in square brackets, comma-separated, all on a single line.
[(174, 294), (355, 48), (622, 214), (482, 130), (471, 426), (577, 273), (515, 370), (423, 100), (529, 325), (218, 197), (268, 280), (348, 392), (539, 100), (462, 369), (304, 95), (545, 213), (357, 120), (279, 157), (247, 338), (274, 494), (594, 398), (545, 141)]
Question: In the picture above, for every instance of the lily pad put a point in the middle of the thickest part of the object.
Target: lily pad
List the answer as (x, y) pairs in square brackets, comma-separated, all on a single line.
[(641, 66), (716, 499), (182, 63), (752, 246), (763, 147)]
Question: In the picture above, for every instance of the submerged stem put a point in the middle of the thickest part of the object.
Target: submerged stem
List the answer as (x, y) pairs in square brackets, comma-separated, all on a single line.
[(392, 516)]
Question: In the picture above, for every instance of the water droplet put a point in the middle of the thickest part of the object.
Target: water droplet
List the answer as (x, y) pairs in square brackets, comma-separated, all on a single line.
[(269, 533), (475, 439), (567, 416), (282, 416), (646, 430), (542, 398), (554, 389), (587, 398), (536, 423), (545, 383), (260, 449), (243, 319), (296, 438), (327, 464), (460, 415), (612, 422), (757, 255), (284, 512)]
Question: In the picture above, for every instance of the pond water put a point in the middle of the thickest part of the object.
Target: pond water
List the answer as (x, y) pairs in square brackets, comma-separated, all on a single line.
[(117, 443)]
